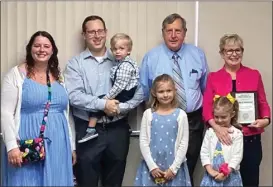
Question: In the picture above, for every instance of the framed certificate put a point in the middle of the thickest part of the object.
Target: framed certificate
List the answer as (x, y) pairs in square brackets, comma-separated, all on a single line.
[(248, 109)]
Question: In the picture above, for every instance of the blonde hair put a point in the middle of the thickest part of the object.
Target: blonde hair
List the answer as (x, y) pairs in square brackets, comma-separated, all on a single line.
[(223, 101), (153, 102), (121, 36), (230, 38)]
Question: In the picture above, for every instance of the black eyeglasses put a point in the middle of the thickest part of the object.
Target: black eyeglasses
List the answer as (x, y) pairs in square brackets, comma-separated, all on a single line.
[(92, 33)]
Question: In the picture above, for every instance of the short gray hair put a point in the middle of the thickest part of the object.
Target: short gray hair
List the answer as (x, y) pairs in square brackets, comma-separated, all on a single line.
[(230, 38), (171, 18)]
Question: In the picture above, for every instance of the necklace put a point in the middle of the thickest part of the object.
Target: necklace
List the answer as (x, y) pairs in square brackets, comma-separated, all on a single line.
[(39, 75)]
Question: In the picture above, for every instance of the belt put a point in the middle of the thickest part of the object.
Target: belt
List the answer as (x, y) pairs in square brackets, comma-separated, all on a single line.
[(195, 113), (113, 124)]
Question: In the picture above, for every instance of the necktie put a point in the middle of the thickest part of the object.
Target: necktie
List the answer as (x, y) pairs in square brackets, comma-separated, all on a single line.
[(179, 83)]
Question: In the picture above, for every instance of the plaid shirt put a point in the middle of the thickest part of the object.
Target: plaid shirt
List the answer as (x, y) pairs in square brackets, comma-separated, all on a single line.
[(127, 75)]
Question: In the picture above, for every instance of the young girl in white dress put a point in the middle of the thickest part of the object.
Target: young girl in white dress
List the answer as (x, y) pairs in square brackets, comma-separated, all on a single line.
[(164, 139), (222, 162)]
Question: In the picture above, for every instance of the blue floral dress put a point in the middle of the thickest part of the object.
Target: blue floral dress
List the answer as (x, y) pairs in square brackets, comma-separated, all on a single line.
[(57, 168), (162, 145), (234, 178)]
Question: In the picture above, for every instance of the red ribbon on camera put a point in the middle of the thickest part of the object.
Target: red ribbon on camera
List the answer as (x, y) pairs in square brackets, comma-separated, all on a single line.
[(224, 169)]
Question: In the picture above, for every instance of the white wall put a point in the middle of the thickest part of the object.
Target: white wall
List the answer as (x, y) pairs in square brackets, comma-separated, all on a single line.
[(142, 21)]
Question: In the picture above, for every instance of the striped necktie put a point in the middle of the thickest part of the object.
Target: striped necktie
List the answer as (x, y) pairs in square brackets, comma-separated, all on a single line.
[(179, 83)]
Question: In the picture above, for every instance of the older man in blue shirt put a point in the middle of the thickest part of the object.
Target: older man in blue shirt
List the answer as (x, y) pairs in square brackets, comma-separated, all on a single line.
[(87, 76), (188, 66)]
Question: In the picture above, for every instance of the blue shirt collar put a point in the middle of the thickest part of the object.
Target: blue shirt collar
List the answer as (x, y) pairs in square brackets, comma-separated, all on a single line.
[(170, 53)]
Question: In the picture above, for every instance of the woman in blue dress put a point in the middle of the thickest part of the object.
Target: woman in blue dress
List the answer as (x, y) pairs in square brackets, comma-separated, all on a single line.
[(163, 139), (24, 95)]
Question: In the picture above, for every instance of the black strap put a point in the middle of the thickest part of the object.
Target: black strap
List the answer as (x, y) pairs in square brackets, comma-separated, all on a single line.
[(115, 75)]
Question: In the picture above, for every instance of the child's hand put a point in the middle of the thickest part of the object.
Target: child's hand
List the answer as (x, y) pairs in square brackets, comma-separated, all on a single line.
[(156, 173), (169, 175), (213, 173), (220, 177)]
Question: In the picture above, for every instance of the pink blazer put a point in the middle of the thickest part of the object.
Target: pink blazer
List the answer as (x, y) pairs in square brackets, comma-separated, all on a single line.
[(247, 79)]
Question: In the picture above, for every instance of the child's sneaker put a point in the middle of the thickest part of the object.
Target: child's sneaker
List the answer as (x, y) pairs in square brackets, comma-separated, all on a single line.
[(91, 133)]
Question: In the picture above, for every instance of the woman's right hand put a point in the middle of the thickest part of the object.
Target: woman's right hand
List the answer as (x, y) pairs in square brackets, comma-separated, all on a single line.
[(156, 173), (222, 133), (74, 158), (15, 157)]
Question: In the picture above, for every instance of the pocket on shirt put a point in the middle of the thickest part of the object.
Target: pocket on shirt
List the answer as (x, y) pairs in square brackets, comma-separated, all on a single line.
[(194, 81)]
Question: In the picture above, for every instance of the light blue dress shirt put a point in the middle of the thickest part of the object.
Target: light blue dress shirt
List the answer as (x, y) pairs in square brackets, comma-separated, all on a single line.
[(193, 65), (86, 79)]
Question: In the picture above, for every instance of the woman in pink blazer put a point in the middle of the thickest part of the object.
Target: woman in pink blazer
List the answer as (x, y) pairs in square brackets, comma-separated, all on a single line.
[(236, 77)]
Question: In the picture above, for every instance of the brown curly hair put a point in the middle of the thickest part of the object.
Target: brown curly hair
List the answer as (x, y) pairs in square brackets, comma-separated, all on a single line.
[(53, 62)]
